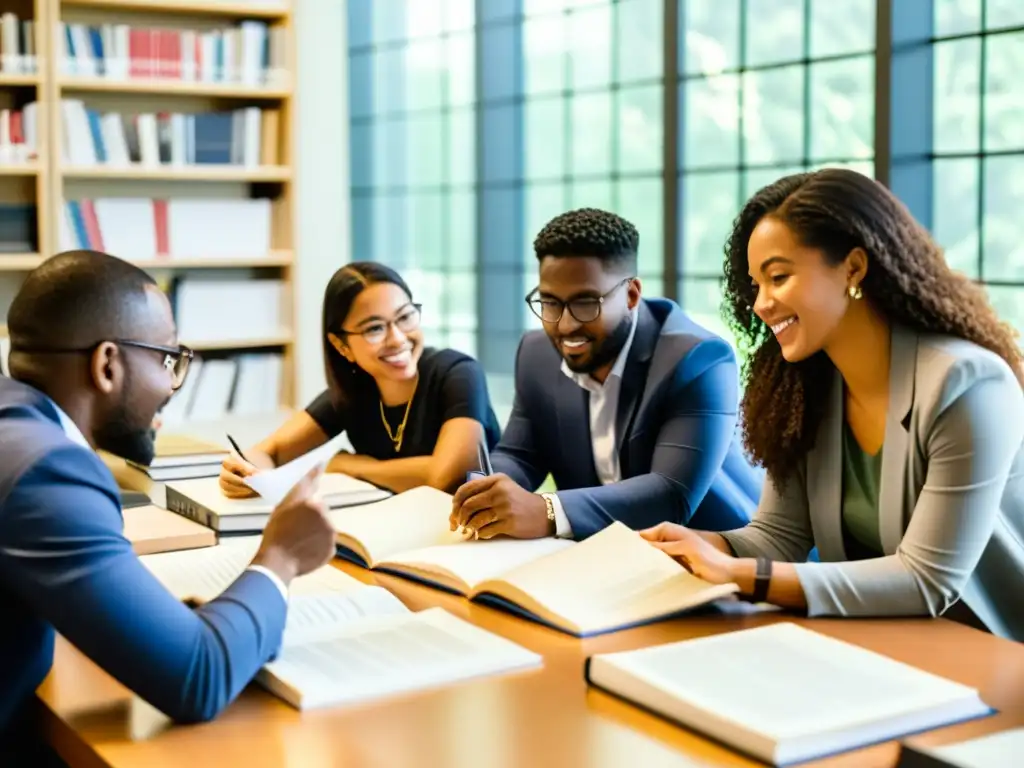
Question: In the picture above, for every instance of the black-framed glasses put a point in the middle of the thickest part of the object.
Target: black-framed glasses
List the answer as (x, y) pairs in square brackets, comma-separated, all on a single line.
[(176, 359), (407, 321), (585, 309)]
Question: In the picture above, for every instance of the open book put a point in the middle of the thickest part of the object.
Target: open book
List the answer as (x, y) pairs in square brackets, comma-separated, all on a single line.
[(346, 642), (610, 581), (784, 694)]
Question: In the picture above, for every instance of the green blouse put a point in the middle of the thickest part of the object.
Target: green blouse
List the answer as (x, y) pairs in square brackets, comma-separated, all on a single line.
[(861, 474)]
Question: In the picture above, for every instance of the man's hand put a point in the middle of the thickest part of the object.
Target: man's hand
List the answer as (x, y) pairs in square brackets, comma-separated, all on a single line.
[(700, 557), (232, 470), (298, 537), (496, 505)]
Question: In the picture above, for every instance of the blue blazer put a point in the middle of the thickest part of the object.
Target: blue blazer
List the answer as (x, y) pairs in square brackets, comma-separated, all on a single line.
[(66, 567), (679, 456)]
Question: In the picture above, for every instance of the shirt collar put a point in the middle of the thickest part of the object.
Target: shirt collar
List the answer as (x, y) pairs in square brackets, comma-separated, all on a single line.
[(587, 381), (70, 428)]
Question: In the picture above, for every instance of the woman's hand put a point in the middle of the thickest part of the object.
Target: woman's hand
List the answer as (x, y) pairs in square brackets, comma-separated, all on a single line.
[(232, 470), (693, 552)]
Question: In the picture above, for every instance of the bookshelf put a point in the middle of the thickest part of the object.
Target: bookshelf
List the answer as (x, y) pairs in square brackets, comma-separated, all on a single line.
[(132, 101)]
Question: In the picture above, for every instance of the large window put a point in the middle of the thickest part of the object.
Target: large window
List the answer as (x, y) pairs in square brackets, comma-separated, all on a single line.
[(593, 120), (412, 110), (474, 123), (978, 143), (766, 88)]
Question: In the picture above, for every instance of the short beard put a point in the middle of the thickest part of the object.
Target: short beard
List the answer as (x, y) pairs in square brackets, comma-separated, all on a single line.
[(605, 352), (126, 434)]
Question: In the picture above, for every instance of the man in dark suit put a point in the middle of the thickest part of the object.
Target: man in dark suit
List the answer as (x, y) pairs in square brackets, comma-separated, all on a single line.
[(94, 356), (626, 402)]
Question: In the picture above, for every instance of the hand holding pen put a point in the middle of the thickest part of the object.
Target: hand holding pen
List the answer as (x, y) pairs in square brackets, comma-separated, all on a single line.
[(235, 467)]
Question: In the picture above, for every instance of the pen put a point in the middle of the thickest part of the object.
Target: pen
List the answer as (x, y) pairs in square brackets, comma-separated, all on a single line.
[(237, 449), (484, 457)]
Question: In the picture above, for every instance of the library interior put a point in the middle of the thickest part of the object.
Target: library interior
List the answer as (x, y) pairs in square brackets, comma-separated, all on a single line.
[(516, 354)]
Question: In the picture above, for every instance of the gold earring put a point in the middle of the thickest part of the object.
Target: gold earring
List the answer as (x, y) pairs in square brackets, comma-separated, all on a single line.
[(855, 292)]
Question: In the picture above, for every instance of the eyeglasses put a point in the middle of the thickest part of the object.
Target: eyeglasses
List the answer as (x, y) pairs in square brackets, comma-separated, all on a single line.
[(176, 359), (585, 310), (407, 321)]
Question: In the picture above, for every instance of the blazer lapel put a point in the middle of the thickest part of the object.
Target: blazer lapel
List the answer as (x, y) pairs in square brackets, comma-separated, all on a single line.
[(892, 489), (634, 377), (825, 466)]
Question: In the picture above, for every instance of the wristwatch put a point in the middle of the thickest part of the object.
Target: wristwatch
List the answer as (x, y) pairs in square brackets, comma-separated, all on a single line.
[(762, 580), (550, 507)]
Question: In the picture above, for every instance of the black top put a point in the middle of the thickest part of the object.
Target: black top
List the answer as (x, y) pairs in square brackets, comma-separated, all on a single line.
[(451, 385)]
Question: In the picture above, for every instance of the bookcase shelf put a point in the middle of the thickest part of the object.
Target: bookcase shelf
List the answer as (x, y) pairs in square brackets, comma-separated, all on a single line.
[(81, 202), (172, 88), (180, 173), (15, 80), (242, 9)]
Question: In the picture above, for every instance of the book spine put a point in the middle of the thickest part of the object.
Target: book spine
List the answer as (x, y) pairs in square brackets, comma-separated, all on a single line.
[(186, 507)]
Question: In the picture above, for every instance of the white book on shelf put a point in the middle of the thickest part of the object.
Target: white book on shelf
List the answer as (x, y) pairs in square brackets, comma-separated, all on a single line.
[(782, 693), (213, 390), (127, 226), (345, 642)]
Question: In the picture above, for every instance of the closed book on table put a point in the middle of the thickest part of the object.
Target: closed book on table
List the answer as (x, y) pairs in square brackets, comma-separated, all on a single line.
[(784, 694)]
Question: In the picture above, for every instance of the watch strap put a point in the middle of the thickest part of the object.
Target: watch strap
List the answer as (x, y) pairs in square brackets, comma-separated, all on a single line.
[(762, 579)]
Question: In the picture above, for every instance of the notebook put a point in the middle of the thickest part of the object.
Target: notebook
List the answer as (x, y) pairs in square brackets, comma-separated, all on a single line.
[(345, 642), (995, 750), (784, 694), (610, 581)]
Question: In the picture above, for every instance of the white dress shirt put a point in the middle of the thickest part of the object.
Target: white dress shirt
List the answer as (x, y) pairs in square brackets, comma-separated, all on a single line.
[(75, 435), (604, 407)]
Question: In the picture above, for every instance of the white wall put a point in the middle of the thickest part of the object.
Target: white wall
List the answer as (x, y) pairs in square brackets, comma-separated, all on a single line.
[(322, 237)]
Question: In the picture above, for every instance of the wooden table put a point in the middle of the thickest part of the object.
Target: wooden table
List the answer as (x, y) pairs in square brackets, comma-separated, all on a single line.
[(546, 717)]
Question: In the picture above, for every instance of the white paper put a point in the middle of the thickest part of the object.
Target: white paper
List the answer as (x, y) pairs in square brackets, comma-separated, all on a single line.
[(274, 484)]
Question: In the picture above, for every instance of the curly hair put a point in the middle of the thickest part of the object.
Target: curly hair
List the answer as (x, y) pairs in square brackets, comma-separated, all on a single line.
[(590, 232), (836, 210)]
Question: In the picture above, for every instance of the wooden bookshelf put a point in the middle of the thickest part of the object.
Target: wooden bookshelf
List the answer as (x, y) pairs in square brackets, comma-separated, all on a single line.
[(48, 179)]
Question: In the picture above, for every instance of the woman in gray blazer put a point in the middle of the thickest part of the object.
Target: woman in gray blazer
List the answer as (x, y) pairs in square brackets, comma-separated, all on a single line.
[(884, 398)]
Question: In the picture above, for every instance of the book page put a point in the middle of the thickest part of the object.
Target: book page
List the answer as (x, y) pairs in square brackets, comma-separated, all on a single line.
[(474, 560), (308, 614), (202, 574), (414, 519), (815, 684), (274, 484), (389, 655), (611, 579)]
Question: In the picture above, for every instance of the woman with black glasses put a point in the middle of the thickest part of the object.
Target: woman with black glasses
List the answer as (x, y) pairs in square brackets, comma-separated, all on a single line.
[(414, 415)]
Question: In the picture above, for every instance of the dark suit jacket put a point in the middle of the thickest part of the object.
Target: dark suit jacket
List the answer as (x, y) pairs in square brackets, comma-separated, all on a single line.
[(65, 566), (675, 429)]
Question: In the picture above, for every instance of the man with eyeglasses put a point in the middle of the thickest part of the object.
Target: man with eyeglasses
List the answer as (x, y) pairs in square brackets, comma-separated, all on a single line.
[(93, 357), (625, 402)]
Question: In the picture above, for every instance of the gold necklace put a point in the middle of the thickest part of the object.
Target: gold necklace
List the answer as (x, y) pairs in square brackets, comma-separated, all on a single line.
[(397, 438)]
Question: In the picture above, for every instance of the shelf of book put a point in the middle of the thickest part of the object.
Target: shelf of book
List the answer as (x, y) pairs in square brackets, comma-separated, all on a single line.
[(127, 104)]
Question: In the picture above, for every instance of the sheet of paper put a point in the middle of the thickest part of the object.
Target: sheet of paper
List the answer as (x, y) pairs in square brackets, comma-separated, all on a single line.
[(202, 574), (274, 484), (995, 750), (393, 654)]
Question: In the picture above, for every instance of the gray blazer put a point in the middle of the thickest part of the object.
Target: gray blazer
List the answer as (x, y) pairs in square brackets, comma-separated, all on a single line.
[(951, 498)]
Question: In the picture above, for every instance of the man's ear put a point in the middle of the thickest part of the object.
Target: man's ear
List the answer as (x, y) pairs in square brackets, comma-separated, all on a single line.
[(633, 292), (106, 367)]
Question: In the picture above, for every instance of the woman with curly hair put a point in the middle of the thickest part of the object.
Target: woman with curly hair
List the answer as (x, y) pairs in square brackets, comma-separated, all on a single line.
[(884, 398)]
